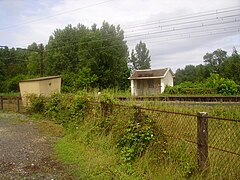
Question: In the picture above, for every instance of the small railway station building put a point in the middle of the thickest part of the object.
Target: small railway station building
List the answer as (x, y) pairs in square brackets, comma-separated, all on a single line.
[(150, 82)]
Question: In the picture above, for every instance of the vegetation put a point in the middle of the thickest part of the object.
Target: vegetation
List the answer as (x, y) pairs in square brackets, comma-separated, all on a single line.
[(218, 62), (213, 85), (97, 58), (104, 141), (141, 58), (90, 58)]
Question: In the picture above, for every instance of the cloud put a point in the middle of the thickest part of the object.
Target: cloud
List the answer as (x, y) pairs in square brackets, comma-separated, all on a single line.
[(36, 20)]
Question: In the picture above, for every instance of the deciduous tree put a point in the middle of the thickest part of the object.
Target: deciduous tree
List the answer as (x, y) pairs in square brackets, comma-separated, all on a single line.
[(140, 58)]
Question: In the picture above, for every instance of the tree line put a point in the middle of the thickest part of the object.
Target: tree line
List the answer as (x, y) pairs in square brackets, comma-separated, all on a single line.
[(98, 57), (95, 57), (217, 62), (219, 75)]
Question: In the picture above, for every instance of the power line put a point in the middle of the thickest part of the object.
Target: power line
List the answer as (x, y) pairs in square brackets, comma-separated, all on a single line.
[(158, 26), (174, 29), (184, 28), (199, 36), (165, 32), (196, 36), (189, 34), (57, 14), (190, 16)]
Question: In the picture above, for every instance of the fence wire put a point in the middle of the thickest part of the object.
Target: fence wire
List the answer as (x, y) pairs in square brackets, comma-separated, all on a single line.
[(181, 132)]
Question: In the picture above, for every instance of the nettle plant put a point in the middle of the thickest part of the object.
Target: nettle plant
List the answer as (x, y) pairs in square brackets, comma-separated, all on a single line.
[(137, 135)]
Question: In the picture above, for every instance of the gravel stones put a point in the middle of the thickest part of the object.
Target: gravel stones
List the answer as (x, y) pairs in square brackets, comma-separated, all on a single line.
[(25, 153)]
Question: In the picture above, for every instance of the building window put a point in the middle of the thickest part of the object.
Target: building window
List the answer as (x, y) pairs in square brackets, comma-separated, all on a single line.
[(150, 83)]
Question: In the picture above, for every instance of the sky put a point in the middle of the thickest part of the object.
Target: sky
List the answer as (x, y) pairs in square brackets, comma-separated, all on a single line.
[(176, 32)]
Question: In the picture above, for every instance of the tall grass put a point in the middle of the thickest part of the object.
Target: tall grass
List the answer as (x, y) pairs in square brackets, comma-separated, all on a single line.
[(116, 144)]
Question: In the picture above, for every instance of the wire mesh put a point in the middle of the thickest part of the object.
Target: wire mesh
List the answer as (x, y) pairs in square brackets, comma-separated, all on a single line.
[(180, 130)]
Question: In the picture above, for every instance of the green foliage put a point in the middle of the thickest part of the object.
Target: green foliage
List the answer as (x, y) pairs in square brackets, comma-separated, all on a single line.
[(140, 59), (33, 61), (189, 88), (136, 135), (180, 156), (73, 82), (37, 104), (230, 68), (12, 84), (223, 86), (217, 62), (102, 50), (66, 109), (215, 84)]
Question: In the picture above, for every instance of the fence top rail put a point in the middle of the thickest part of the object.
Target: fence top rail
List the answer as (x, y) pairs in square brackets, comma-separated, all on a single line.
[(223, 119), (177, 96), (10, 97), (149, 109), (171, 112)]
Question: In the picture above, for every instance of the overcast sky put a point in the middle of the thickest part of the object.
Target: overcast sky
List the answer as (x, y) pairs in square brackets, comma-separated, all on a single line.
[(177, 32)]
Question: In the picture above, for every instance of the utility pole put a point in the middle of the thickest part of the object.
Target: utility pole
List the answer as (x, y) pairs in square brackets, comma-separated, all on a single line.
[(41, 49)]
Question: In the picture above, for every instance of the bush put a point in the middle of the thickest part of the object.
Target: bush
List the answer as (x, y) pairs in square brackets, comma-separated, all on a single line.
[(37, 104), (179, 90), (213, 85), (12, 85), (223, 86)]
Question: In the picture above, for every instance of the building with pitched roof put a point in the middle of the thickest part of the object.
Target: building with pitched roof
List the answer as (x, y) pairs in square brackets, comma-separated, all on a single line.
[(149, 82)]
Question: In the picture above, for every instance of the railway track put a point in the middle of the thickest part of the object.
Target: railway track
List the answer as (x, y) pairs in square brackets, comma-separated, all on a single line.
[(184, 98)]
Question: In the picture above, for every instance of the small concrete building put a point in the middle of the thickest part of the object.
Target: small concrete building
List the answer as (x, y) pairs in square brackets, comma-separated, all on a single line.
[(40, 86), (150, 81)]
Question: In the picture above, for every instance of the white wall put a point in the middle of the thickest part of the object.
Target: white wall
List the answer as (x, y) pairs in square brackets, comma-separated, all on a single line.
[(133, 88), (167, 80)]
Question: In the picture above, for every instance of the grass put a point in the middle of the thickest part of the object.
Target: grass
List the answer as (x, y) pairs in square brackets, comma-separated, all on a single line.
[(93, 157), (90, 147)]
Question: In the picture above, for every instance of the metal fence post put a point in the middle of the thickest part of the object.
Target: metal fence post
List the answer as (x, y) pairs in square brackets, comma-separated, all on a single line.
[(137, 114), (202, 141), (1, 99), (107, 108)]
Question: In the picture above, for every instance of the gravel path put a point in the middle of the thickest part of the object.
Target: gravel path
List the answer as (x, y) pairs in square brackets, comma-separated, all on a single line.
[(25, 153)]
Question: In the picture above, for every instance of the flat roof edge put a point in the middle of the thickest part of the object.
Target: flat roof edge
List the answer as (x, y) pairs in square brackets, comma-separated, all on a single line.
[(40, 79)]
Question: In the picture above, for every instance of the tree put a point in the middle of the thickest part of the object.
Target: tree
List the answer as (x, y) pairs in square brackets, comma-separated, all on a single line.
[(102, 50), (105, 53), (230, 68), (140, 59), (215, 59), (33, 63)]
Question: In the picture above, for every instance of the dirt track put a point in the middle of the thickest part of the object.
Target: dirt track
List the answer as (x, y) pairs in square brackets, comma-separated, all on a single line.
[(25, 153)]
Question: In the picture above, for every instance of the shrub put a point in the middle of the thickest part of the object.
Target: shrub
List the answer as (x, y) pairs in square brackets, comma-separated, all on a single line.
[(136, 135), (37, 103), (12, 85), (223, 86)]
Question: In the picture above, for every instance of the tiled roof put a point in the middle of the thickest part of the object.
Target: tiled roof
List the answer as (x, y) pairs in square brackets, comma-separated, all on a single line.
[(150, 73)]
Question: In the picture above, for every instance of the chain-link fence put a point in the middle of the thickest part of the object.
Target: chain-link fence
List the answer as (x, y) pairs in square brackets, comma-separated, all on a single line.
[(196, 143)]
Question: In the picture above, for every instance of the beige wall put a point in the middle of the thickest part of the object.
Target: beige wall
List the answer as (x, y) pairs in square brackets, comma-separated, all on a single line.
[(47, 87), (41, 87)]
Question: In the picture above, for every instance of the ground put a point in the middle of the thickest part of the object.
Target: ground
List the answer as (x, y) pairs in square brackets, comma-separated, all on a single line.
[(26, 152)]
